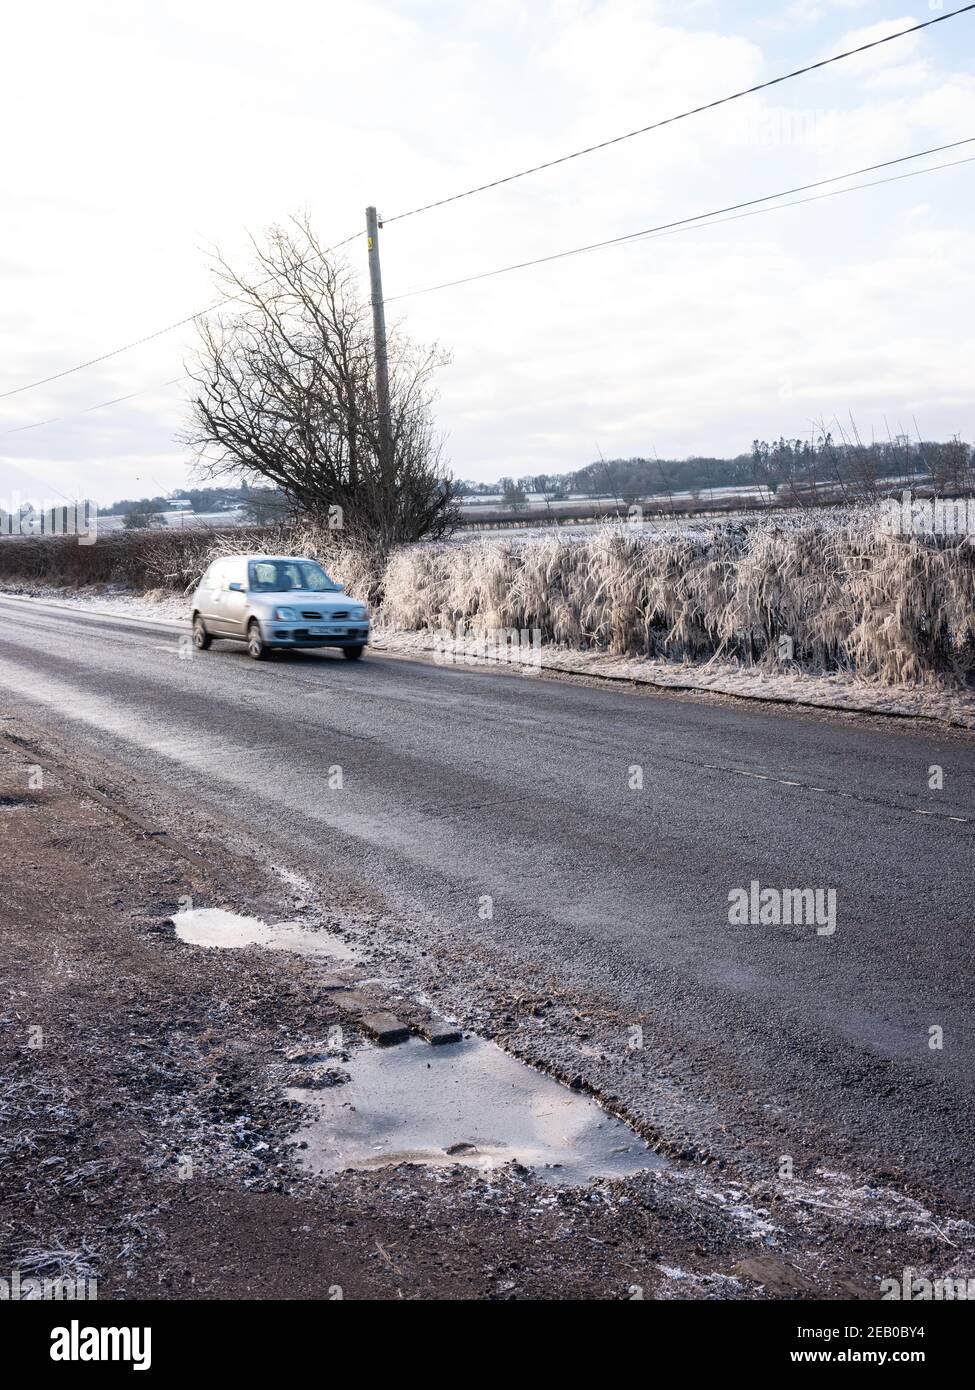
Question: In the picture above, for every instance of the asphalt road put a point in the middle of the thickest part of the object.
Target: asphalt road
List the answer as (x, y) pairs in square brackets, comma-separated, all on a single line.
[(460, 784)]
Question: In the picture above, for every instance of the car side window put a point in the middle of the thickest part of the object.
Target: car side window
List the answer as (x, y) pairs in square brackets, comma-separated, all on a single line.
[(263, 576)]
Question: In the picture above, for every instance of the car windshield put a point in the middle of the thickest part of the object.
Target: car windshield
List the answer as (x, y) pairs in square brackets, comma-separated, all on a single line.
[(278, 576)]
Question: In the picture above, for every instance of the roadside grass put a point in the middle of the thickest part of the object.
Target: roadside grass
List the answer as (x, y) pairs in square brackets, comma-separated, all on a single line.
[(815, 592), (811, 594)]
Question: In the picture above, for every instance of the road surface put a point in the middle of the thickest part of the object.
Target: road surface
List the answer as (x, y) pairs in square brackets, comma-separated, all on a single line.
[(498, 811)]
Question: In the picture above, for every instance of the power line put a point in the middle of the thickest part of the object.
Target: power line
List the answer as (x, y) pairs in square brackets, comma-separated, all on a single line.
[(815, 198), (17, 469), (158, 333), (682, 115), (495, 183), (701, 217), (116, 400), (126, 347), (705, 219)]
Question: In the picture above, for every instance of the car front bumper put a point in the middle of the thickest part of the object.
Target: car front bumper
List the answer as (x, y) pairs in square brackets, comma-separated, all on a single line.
[(350, 634)]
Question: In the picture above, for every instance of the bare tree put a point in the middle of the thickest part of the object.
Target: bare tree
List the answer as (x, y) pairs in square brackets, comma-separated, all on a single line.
[(952, 466), (146, 514), (286, 395)]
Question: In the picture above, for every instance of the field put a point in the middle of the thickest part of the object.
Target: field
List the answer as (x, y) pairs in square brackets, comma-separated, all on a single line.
[(815, 592)]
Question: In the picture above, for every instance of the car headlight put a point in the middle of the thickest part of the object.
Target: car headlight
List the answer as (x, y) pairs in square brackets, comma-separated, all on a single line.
[(360, 612), (285, 615)]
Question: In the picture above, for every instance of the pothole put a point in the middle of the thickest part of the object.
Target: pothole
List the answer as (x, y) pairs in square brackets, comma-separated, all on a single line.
[(468, 1103), (215, 927)]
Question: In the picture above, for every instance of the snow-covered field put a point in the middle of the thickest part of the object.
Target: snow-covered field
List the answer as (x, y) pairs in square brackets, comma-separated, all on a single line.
[(645, 524), (835, 690)]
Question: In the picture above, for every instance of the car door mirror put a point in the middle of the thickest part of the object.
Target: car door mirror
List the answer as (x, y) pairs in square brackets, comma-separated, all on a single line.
[(237, 588)]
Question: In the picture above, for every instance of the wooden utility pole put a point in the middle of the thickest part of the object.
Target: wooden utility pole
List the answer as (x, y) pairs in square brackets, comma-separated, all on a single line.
[(379, 335)]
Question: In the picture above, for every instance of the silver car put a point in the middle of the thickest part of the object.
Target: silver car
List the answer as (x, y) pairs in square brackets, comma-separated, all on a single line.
[(272, 601)]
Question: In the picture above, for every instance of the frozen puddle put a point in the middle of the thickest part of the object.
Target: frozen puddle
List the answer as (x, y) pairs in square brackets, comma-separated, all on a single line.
[(468, 1103), (214, 926)]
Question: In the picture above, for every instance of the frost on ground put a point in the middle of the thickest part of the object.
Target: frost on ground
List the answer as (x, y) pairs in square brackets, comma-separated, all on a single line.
[(150, 1146), (823, 608), (823, 591), (833, 690), (114, 599), (839, 690)]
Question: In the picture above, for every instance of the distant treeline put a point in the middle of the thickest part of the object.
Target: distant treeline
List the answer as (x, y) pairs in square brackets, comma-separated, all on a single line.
[(783, 466), (788, 469), (257, 503)]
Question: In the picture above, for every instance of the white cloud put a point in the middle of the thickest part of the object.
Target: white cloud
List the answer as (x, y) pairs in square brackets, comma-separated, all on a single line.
[(145, 133)]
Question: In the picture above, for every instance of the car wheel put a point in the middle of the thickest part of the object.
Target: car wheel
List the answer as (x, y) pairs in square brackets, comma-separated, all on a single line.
[(256, 646), (201, 638), (352, 653)]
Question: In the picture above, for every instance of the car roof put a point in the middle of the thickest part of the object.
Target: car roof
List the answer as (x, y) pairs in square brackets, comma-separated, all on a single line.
[(288, 559)]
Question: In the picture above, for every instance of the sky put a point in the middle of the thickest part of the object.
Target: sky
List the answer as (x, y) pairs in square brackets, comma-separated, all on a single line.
[(142, 135)]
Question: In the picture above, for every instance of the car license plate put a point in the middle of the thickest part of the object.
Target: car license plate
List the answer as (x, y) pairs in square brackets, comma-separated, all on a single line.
[(325, 630)]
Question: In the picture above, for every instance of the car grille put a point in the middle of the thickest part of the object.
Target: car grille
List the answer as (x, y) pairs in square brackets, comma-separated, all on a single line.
[(329, 617)]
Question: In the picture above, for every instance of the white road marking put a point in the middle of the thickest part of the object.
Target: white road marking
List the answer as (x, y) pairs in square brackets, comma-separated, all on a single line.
[(825, 791)]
